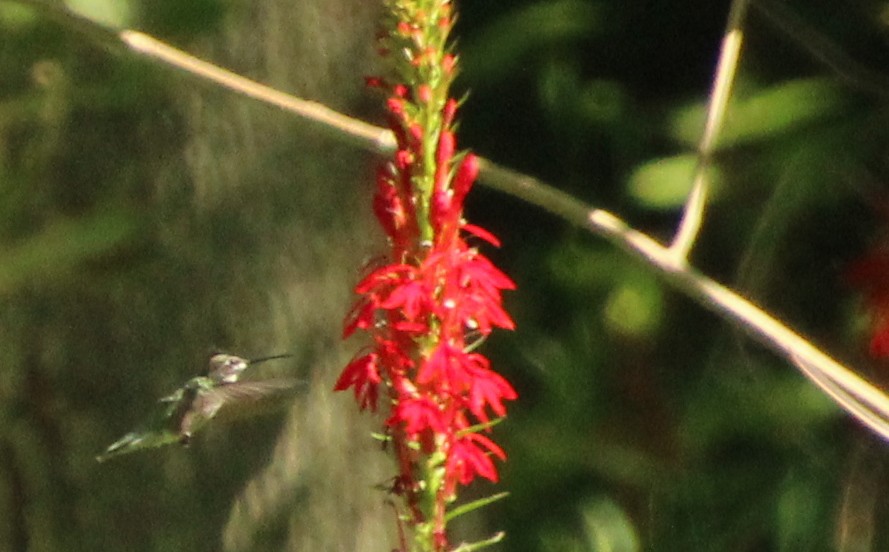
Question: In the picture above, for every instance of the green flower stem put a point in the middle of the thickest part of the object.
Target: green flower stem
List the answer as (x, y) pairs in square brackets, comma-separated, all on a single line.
[(432, 478)]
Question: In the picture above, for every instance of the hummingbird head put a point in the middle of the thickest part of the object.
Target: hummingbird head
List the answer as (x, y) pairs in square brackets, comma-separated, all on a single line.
[(226, 368)]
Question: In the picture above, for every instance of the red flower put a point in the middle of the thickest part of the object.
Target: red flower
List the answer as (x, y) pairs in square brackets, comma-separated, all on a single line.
[(480, 284), (489, 389), (417, 415), (448, 369), (469, 458), (362, 374), (410, 299)]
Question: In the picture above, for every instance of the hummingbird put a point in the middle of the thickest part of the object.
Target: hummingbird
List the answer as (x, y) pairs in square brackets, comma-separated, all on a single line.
[(216, 392)]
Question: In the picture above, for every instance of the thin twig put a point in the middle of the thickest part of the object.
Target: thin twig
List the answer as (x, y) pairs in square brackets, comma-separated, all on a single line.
[(854, 394), (726, 69), (378, 139)]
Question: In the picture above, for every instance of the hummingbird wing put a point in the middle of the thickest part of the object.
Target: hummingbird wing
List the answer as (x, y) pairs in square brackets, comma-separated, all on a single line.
[(247, 398)]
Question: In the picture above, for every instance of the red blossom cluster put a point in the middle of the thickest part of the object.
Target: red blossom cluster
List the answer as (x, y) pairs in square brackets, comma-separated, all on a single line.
[(420, 308)]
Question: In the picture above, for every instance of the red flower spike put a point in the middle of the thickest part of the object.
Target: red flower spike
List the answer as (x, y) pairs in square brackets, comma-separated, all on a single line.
[(432, 290)]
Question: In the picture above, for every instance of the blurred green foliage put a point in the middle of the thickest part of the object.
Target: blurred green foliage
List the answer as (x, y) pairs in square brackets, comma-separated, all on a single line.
[(691, 436), (643, 423)]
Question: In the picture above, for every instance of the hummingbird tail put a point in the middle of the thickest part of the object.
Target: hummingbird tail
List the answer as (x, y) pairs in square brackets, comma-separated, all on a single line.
[(118, 447)]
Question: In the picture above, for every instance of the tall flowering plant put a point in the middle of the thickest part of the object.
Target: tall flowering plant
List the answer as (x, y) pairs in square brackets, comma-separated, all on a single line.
[(436, 296)]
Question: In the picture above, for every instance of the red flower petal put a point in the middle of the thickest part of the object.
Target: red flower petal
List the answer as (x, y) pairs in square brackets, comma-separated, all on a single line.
[(361, 374), (480, 232)]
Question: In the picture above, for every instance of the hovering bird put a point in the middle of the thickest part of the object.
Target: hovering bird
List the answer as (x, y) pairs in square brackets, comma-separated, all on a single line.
[(217, 390)]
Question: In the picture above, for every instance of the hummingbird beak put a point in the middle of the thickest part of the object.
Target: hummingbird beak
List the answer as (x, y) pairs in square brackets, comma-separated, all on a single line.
[(264, 359)]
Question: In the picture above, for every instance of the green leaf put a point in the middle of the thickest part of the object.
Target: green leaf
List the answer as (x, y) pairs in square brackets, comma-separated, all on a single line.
[(664, 183), (764, 114), (608, 527), (635, 307)]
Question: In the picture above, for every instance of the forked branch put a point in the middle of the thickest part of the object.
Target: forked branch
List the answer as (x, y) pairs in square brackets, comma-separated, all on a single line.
[(857, 396)]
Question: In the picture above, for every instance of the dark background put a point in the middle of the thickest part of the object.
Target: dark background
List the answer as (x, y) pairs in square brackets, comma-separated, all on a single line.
[(146, 219)]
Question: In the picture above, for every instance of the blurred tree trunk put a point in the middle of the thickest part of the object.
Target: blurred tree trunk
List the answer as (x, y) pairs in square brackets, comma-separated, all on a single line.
[(251, 232), (304, 200)]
